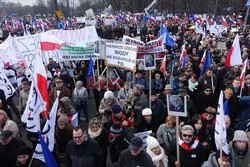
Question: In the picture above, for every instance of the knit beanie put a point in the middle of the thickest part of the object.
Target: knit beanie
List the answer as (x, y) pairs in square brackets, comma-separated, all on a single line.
[(146, 111), (240, 135), (63, 119), (108, 95), (116, 109), (152, 142), (23, 150), (116, 129)]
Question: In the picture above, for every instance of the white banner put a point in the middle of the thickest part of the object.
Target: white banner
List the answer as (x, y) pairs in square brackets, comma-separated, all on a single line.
[(5, 85), (217, 29), (101, 46), (199, 29), (154, 46), (120, 55)]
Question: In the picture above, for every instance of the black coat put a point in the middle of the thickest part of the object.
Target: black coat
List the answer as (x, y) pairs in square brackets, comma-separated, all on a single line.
[(87, 154), (203, 101), (8, 155), (144, 126), (128, 160), (194, 158)]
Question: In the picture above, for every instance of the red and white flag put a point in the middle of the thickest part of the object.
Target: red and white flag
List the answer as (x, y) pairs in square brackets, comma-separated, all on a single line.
[(234, 54), (203, 59), (50, 42), (40, 77), (73, 119), (163, 66), (243, 73)]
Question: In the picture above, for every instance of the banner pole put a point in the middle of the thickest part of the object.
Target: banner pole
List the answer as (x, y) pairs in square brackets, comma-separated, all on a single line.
[(107, 80), (212, 82), (177, 139), (150, 88)]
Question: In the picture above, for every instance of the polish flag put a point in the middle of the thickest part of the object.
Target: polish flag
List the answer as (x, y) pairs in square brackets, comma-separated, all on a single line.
[(50, 42), (243, 73), (40, 77), (183, 58), (203, 59), (224, 22), (153, 20), (234, 54), (73, 119), (163, 66)]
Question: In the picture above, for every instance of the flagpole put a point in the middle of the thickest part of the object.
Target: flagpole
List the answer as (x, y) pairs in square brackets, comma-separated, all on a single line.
[(242, 85), (31, 161), (107, 79), (221, 149), (212, 82), (150, 88)]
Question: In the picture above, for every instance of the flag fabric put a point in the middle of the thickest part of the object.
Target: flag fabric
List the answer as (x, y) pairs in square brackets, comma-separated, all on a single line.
[(35, 105), (226, 108), (169, 41), (220, 134), (206, 64), (5, 85), (203, 59), (163, 65), (183, 58), (49, 159), (90, 68), (73, 119), (50, 42), (48, 132), (243, 73), (234, 54), (173, 64), (40, 77), (153, 20), (224, 22)]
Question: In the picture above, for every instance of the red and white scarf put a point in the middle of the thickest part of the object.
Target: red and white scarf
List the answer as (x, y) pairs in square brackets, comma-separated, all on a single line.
[(186, 147)]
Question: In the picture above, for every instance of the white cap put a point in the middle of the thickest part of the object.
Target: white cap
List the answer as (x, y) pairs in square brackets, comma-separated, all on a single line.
[(108, 95), (146, 111)]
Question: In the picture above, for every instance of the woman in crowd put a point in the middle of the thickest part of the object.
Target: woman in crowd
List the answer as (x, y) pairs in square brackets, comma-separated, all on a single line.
[(100, 134), (166, 133)]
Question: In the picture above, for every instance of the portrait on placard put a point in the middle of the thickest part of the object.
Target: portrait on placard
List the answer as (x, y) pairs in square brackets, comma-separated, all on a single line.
[(140, 64), (177, 105), (113, 76), (149, 62)]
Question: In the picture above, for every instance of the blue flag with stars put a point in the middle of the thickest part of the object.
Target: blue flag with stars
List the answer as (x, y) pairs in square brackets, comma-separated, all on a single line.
[(91, 67)]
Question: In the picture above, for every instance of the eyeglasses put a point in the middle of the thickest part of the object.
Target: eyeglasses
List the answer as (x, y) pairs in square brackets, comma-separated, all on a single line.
[(185, 135), (77, 137), (209, 115)]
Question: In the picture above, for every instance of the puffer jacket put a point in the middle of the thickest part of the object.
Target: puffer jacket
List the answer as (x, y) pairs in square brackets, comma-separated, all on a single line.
[(67, 109), (80, 96)]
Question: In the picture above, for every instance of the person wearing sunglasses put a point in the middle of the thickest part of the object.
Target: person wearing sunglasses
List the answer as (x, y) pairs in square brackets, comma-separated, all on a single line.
[(191, 150), (209, 117)]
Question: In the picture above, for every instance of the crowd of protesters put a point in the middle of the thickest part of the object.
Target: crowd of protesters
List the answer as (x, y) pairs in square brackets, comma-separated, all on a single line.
[(129, 107)]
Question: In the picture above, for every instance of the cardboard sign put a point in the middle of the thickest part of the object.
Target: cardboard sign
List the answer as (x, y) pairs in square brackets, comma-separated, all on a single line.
[(120, 55), (101, 46), (177, 105), (221, 46)]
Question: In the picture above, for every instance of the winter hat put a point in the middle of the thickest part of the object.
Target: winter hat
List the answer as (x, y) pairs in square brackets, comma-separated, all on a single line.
[(135, 143), (63, 119), (7, 64), (210, 110), (240, 135), (108, 95), (23, 150), (5, 134), (116, 129), (25, 81), (146, 111), (248, 76), (138, 86), (168, 86), (116, 109), (152, 142)]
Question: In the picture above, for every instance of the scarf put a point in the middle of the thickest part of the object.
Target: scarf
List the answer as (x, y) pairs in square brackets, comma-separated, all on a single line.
[(239, 152), (192, 85), (94, 134), (186, 146), (157, 158)]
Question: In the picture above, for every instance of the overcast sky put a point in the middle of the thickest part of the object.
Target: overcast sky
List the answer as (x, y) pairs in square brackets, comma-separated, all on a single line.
[(23, 2)]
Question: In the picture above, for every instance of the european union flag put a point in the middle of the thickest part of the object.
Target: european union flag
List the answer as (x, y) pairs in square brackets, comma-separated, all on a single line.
[(169, 40), (49, 159), (91, 66)]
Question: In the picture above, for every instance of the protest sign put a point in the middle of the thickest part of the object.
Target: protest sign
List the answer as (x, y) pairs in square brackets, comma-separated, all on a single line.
[(101, 44), (217, 29), (144, 136), (120, 55), (177, 105), (76, 53), (221, 46), (154, 46)]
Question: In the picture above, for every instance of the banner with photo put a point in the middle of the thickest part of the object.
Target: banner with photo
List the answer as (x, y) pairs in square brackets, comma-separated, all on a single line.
[(120, 55), (177, 105)]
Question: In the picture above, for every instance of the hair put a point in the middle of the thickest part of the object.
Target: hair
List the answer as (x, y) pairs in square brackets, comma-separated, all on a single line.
[(95, 121), (195, 119), (187, 127), (236, 79), (217, 154), (171, 118), (209, 69), (78, 128), (79, 82)]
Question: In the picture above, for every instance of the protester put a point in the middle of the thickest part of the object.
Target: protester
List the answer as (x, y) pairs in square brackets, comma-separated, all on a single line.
[(100, 134), (83, 149), (24, 94), (135, 155), (240, 149), (215, 160), (156, 152), (8, 147), (80, 99), (7, 124), (189, 147)]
